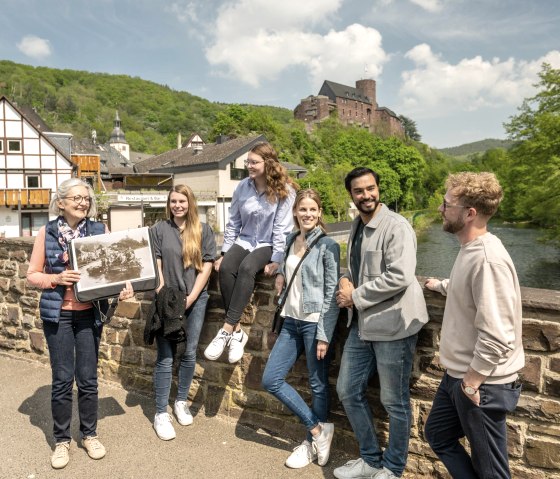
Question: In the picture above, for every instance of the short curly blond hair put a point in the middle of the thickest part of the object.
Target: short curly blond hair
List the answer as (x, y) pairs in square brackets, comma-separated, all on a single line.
[(481, 191)]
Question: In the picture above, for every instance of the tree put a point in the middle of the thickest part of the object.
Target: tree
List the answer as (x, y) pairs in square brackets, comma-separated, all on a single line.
[(410, 129), (535, 173)]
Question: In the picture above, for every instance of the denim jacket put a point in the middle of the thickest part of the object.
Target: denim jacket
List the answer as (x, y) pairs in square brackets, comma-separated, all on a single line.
[(319, 272)]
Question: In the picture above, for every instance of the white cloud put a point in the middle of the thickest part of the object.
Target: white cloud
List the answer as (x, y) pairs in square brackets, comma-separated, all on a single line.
[(34, 47), (436, 88), (255, 40), (429, 5)]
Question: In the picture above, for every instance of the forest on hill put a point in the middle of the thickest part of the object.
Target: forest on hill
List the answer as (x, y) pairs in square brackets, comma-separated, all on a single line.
[(412, 174), (463, 151)]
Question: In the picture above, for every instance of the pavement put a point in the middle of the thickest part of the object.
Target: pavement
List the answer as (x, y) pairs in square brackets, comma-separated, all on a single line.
[(212, 448)]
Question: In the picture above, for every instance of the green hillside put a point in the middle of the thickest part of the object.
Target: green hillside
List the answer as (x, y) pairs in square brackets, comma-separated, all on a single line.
[(481, 146), (78, 102)]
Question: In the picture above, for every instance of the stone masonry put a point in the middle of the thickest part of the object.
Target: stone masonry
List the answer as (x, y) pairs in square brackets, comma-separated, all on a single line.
[(235, 391)]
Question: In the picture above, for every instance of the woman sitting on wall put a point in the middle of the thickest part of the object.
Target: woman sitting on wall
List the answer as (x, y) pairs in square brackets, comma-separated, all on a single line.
[(72, 329), (311, 313), (185, 249), (254, 239)]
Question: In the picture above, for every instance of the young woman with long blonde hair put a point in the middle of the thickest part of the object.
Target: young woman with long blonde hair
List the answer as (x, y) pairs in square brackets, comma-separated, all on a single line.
[(185, 250)]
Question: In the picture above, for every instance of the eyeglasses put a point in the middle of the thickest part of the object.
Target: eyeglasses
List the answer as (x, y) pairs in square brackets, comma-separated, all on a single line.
[(78, 199), (252, 162), (447, 205)]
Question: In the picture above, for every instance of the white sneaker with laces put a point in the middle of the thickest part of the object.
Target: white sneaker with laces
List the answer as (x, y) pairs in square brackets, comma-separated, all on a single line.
[(385, 474), (303, 455), (237, 346), (356, 469), (322, 442), (61, 455), (218, 344), (182, 413), (164, 428)]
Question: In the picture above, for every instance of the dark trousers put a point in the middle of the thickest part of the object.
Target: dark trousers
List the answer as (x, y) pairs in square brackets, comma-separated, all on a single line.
[(237, 278), (454, 416), (73, 348)]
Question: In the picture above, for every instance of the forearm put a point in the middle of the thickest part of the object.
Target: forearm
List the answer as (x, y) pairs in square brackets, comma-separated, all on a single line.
[(201, 280)]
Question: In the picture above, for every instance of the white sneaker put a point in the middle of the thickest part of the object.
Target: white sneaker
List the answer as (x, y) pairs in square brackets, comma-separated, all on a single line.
[(356, 469), (385, 474), (237, 346), (61, 455), (182, 413), (164, 428), (217, 346), (322, 442), (303, 455)]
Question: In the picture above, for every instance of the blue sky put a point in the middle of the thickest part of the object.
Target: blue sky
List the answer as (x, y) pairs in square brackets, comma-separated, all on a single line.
[(459, 68)]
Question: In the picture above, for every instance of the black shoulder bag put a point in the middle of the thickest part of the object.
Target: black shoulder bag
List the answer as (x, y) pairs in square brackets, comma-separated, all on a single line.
[(278, 320)]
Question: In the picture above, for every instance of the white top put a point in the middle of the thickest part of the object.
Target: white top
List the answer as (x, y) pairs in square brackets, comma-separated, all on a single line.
[(293, 307)]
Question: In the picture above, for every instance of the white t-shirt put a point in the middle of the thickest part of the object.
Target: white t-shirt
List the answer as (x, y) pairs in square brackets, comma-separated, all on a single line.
[(293, 307)]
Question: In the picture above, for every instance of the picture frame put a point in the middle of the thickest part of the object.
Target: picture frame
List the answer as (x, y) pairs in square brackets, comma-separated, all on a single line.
[(106, 262)]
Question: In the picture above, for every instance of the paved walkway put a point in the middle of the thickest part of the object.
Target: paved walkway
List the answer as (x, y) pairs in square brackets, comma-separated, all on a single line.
[(212, 448)]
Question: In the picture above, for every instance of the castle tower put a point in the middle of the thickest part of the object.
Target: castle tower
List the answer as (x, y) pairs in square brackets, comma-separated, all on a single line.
[(117, 139), (368, 88)]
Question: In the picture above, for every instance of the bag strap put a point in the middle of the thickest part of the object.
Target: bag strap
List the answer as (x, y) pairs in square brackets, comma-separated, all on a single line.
[(307, 250)]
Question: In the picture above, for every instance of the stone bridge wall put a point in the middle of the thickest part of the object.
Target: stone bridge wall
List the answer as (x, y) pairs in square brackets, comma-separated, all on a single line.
[(234, 390)]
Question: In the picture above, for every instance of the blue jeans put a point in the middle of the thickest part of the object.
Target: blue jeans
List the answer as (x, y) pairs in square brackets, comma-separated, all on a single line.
[(73, 349), (454, 416), (194, 318), (298, 337), (392, 360)]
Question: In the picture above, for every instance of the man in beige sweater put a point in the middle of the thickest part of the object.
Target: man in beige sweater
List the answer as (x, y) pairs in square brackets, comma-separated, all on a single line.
[(480, 345)]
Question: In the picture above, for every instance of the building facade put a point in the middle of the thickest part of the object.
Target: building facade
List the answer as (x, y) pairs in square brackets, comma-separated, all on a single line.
[(351, 106)]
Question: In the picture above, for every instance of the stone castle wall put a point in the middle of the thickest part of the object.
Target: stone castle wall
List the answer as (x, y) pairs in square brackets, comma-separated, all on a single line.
[(235, 391)]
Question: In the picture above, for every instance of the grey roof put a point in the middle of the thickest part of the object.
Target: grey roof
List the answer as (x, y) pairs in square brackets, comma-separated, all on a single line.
[(33, 117), (293, 167), (63, 141), (137, 157), (213, 155), (117, 135), (334, 90), (111, 160), (389, 111)]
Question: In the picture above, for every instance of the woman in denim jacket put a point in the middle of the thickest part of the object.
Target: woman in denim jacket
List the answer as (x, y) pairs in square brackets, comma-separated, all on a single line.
[(310, 313)]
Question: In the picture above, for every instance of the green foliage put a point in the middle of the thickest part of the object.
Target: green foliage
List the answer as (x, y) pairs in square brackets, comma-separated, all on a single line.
[(410, 128), (534, 173), (463, 151)]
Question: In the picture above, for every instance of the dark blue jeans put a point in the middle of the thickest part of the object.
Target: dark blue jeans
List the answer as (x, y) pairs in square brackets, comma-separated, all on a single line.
[(73, 349), (194, 319), (298, 337), (392, 360), (454, 416)]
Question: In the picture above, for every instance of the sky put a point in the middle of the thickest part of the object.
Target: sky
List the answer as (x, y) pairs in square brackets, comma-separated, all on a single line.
[(458, 68)]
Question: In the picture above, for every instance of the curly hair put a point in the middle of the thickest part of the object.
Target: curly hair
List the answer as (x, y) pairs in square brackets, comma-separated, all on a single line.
[(481, 191), (278, 181), (191, 235)]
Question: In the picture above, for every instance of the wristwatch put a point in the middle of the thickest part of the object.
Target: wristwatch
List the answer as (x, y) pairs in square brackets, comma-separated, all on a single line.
[(469, 389)]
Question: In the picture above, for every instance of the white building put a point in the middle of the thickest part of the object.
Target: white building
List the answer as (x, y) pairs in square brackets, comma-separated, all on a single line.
[(32, 165)]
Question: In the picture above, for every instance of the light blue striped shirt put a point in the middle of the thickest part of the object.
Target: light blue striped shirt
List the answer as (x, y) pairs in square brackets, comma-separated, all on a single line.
[(255, 222)]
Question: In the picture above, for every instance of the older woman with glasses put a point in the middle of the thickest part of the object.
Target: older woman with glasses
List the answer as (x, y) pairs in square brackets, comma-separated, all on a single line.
[(72, 329)]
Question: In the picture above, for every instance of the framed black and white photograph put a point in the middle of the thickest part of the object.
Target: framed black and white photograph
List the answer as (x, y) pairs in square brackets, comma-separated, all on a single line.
[(107, 261)]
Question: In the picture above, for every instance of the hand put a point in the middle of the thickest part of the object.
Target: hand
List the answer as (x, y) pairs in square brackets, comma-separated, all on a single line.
[(217, 263), (271, 268), (279, 283), (322, 348), (432, 283), (344, 295), (189, 300), (475, 398), (68, 277), (127, 292)]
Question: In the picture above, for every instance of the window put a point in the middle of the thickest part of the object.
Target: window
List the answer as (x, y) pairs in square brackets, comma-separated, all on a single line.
[(31, 222), (1, 146), (32, 181), (14, 146)]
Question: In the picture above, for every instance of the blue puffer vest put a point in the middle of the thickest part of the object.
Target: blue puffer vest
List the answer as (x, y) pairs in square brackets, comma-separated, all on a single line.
[(51, 299)]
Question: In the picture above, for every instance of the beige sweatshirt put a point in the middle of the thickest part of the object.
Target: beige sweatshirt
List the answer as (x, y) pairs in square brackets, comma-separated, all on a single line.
[(482, 318)]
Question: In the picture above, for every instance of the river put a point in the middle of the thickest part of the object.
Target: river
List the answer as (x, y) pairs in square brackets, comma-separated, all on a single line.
[(537, 264)]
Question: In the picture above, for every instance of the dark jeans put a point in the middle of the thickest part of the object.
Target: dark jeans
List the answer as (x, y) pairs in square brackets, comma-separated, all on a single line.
[(392, 360), (194, 319), (73, 349), (454, 416), (298, 337), (237, 278)]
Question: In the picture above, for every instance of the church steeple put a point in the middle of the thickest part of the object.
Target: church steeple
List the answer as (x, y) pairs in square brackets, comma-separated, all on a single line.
[(117, 139)]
